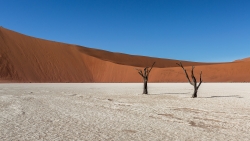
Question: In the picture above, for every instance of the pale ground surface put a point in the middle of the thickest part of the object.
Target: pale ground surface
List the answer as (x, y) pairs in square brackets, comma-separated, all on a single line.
[(119, 112)]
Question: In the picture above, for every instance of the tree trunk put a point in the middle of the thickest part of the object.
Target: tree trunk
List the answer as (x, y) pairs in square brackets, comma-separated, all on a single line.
[(195, 92), (145, 77), (145, 87)]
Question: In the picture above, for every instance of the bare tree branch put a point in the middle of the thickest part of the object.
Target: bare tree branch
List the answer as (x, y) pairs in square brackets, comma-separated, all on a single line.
[(140, 72), (200, 80), (145, 77), (185, 72), (194, 83), (200, 76), (146, 71), (151, 67), (193, 77)]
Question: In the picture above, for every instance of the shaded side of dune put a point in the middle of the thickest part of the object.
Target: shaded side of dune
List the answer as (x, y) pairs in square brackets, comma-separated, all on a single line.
[(27, 59)]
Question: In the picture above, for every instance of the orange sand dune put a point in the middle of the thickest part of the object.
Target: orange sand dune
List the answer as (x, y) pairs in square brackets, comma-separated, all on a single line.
[(133, 60), (245, 59), (28, 59)]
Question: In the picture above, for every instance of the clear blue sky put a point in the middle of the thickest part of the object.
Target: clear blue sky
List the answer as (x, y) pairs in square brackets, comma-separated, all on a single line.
[(194, 30)]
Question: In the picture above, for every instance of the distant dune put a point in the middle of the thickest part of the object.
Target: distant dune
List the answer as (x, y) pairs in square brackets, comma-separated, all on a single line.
[(244, 59), (28, 59)]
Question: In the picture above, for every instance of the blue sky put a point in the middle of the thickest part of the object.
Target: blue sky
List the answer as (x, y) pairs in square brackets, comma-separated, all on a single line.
[(194, 30)]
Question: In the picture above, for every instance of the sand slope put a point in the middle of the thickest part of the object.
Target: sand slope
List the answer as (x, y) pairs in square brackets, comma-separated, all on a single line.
[(243, 60), (28, 59)]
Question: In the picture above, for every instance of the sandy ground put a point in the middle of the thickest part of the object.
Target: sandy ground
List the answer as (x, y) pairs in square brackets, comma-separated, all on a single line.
[(120, 112)]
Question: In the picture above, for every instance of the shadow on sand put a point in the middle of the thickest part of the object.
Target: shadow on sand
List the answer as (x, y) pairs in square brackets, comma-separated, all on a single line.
[(168, 93), (235, 96)]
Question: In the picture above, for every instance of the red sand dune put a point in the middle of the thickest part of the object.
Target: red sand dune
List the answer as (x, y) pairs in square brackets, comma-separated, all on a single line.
[(28, 59), (244, 59)]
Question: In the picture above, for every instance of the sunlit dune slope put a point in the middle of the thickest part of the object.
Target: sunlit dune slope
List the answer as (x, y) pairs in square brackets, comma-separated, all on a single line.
[(28, 59), (243, 60), (133, 60)]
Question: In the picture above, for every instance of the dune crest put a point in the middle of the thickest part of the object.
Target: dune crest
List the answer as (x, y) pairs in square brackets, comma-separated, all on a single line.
[(243, 60), (28, 59)]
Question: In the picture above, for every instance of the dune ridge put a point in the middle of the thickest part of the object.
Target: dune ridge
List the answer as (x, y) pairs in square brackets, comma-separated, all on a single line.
[(27, 59), (243, 60)]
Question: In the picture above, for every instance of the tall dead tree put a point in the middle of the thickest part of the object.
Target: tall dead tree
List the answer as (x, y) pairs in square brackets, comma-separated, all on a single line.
[(145, 75), (194, 82)]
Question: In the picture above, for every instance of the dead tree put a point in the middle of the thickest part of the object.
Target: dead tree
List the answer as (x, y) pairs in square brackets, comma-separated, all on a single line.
[(145, 77), (194, 82)]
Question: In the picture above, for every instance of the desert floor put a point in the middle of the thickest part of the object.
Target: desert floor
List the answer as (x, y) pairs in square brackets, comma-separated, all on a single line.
[(99, 111)]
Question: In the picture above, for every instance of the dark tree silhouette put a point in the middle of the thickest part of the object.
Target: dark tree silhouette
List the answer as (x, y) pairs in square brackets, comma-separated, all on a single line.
[(194, 82), (145, 77)]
